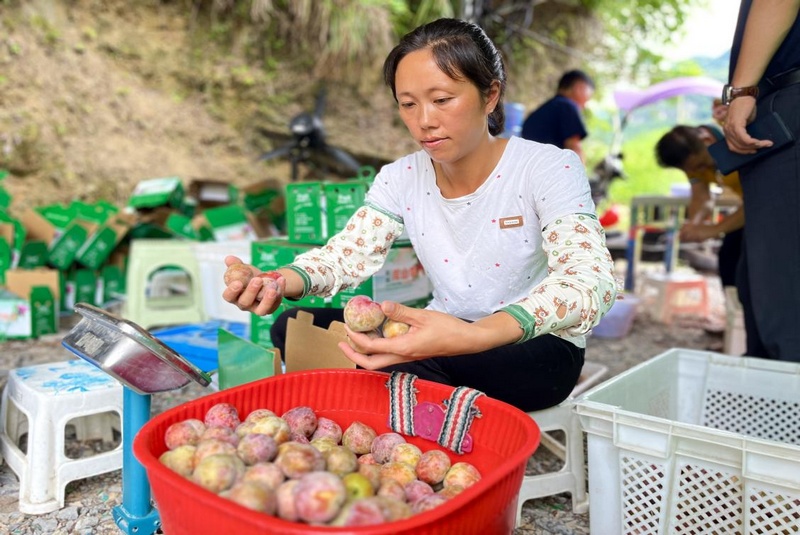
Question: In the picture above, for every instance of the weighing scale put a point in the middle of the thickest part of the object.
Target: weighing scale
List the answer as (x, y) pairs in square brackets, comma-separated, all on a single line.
[(144, 366)]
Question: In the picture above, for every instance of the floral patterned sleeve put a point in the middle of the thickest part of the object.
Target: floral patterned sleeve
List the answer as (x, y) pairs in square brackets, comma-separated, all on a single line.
[(580, 286), (351, 256)]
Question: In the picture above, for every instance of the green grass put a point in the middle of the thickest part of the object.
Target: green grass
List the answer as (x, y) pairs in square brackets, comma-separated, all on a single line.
[(644, 175)]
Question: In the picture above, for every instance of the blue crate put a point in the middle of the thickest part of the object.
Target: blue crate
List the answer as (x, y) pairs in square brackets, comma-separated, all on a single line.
[(197, 342)]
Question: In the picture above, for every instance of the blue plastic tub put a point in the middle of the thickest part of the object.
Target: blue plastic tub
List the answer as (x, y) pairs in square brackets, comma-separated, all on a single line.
[(197, 342)]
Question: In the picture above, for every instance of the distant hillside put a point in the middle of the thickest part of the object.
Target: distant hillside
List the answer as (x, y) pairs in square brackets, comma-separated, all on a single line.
[(715, 67)]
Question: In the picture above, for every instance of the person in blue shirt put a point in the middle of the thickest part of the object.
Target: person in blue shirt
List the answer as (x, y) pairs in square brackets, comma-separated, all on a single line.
[(558, 121)]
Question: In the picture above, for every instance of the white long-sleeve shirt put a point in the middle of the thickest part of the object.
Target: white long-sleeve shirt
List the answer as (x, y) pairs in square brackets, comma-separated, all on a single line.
[(526, 242)]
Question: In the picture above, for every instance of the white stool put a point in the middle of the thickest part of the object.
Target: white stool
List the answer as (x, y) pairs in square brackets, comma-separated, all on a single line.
[(571, 477), (41, 401), (146, 257)]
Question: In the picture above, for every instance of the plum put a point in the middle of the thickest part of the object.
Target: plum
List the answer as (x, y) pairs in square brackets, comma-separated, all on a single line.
[(212, 446), (180, 460), (427, 503), (371, 472), (265, 473), (432, 466), (253, 495), (393, 509), (222, 415), (218, 472), (285, 498), (416, 490), (463, 474), (319, 496), (401, 472), (184, 432), (392, 328), (296, 459), (340, 460), (362, 314), (257, 448), (391, 488), (358, 486), (363, 512), (225, 434), (301, 420), (358, 437), (406, 453), (273, 426), (383, 444), (258, 414), (324, 444), (238, 272), (327, 428)]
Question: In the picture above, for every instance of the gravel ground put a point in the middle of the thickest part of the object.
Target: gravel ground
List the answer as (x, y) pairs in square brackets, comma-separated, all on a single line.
[(89, 502)]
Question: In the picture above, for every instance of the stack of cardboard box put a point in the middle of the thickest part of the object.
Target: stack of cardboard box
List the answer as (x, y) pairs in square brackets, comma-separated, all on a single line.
[(77, 252)]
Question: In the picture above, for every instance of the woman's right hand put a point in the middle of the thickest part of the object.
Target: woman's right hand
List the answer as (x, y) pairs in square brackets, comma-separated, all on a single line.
[(256, 297)]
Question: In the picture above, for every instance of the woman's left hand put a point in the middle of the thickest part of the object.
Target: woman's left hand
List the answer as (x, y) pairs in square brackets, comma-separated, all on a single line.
[(431, 334)]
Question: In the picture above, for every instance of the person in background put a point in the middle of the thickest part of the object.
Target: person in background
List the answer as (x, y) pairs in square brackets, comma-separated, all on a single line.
[(505, 228), (719, 111), (764, 78), (686, 148), (559, 121)]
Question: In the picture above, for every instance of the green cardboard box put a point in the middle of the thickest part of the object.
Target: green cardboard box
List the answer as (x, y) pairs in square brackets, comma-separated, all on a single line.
[(5, 259), (210, 193), (167, 191), (112, 283), (28, 303), (33, 255), (228, 223), (342, 199), (60, 229), (305, 213), (99, 245), (80, 286), (14, 233), (181, 226), (266, 201)]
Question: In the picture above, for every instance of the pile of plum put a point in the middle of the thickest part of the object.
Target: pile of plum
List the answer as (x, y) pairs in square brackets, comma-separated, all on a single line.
[(305, 468)]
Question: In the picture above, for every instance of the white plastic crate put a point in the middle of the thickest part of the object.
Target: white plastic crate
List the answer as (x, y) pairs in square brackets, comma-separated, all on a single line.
[(211, 257), (694, 442)]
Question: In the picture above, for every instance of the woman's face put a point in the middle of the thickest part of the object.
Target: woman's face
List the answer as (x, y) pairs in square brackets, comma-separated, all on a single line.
[(447, 117)]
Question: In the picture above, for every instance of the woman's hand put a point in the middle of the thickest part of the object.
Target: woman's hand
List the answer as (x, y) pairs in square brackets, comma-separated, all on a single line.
[(255, 297), (430, 334)]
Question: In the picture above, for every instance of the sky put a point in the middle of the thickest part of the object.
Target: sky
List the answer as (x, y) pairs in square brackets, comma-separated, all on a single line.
[(708, 31)]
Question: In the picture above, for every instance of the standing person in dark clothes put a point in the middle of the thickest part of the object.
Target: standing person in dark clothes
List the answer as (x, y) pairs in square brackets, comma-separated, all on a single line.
[(506, 230), (765, 78), (558, 121)]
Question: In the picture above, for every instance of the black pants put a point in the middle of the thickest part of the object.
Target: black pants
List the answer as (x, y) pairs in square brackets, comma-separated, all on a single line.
[(534, 375), (728, 257), (771, 190)]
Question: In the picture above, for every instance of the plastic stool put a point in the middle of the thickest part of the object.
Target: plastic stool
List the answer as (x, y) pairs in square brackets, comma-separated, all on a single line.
[(40, 401), (145, 258), (571, 478), (735, 339)]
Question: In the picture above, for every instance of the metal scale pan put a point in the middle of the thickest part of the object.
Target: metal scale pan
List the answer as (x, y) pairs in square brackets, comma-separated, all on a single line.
[(129, 353)]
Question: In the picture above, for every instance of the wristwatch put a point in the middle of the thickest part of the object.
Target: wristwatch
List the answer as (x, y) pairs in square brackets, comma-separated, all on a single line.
[(729, 92)]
